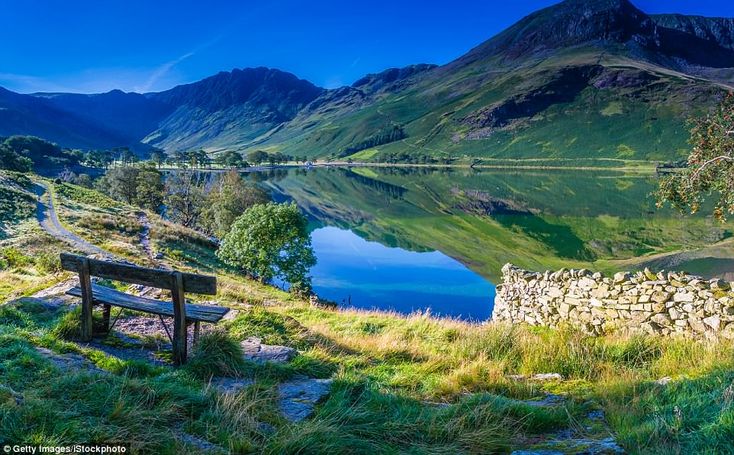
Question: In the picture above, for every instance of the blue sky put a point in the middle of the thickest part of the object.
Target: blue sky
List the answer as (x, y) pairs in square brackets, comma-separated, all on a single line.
[(135, 45)]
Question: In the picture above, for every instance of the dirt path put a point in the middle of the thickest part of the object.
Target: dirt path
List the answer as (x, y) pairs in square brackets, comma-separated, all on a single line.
[(145, 235), (49, 221)]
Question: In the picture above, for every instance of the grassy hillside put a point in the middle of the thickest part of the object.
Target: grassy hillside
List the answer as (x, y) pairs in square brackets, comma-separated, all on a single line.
[(402, 384), (578, 104)]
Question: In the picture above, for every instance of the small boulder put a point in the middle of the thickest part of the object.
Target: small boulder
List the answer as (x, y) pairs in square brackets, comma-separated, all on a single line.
[(547, 377), (299, 397), (257, 352), (230, 385)]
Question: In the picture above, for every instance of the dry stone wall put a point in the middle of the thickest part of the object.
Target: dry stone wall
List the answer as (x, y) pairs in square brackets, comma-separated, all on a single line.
[(654, 303)]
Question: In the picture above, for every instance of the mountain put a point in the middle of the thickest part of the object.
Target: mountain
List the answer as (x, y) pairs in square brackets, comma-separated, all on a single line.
[(716, 29), (130, 115), (37, 116), (595, 78), (580, 79), (229, 108)]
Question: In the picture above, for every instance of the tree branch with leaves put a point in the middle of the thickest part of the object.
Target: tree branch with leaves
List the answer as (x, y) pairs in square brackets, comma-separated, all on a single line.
[(710, 170)]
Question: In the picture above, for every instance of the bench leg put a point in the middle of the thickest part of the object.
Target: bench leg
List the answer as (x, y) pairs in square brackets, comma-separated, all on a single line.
[(179, 319), (106, 318), (197, 331), (85, 282)]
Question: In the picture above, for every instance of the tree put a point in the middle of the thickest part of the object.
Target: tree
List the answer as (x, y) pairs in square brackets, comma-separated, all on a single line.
[(127, 156), (271, 241), (229, 197), (121, 183), (231, 159), (158, 157), (13, 161), (149, 189), (184, 198), (257, 157), (710, 168), (84, 180)]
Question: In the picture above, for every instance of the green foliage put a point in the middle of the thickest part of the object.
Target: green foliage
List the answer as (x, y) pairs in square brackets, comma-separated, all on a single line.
[(99, 158), (40, 152), (14, 257), (120, 183), (48, 263), (184, 198), (149, 189), (139, 185), (15, 203), (271, 241), (232, 159), (216, 354), (229, 197), (710, 167), (13, 161), (257, 157), (83, 195)]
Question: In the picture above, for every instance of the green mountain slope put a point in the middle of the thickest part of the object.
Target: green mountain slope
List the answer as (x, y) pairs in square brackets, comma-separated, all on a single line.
[(579, 79)]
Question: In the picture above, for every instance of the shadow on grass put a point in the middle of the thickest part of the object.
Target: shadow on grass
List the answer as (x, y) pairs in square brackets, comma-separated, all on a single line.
[(684, 416)]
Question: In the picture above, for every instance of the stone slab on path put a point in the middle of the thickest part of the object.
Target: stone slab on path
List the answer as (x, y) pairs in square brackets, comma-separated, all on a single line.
[(70, 362), (299, 397), (256, 351)]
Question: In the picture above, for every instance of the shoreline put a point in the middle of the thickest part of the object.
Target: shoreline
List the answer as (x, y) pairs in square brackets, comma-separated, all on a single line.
[(649, 167)]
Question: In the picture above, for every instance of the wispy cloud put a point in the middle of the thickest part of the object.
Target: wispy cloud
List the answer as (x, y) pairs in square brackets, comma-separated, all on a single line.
[(163, 70), (97, 80), (160, 72)]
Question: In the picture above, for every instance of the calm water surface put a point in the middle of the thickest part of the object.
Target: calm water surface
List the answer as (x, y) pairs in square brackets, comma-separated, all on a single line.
[(355, 272), (417, 239)]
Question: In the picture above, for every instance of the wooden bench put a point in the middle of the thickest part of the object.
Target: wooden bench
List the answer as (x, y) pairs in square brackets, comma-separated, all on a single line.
[(178, 283)]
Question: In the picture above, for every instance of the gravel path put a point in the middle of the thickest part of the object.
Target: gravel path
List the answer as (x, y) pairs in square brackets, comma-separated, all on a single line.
[(49, 221)]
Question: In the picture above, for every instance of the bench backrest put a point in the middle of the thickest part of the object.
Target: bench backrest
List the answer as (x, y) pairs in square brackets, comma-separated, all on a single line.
[(198, 284)]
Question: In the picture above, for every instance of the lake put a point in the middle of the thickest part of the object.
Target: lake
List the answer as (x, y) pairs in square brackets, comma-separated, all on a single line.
[(417, 239)]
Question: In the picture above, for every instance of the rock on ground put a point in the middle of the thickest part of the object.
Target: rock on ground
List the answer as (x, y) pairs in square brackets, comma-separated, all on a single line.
[(70, 361), (549, 399), (541, 377), (201, 445), (298, 397), (256, 351), (536, 452), (10, 396), (230, 385)]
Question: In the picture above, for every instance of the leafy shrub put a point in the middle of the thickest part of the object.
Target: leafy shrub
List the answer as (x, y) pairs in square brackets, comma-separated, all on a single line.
[(85, 196), (15, 258), (48, 263)]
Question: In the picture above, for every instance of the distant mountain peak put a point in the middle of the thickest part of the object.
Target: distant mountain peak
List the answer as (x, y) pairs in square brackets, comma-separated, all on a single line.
[(390, 78)]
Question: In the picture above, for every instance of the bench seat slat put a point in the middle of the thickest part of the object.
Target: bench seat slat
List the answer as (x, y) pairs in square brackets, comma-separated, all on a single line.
[(105, 295)]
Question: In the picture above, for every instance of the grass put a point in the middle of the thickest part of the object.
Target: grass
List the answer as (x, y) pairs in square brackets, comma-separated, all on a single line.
[(402, 384)]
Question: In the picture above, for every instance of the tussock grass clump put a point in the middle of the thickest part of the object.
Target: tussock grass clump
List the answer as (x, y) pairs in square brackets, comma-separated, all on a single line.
[(217, 354), (69, 326)]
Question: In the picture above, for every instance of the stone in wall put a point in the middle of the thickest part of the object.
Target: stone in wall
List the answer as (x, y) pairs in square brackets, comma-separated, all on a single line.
[(655, 303)]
